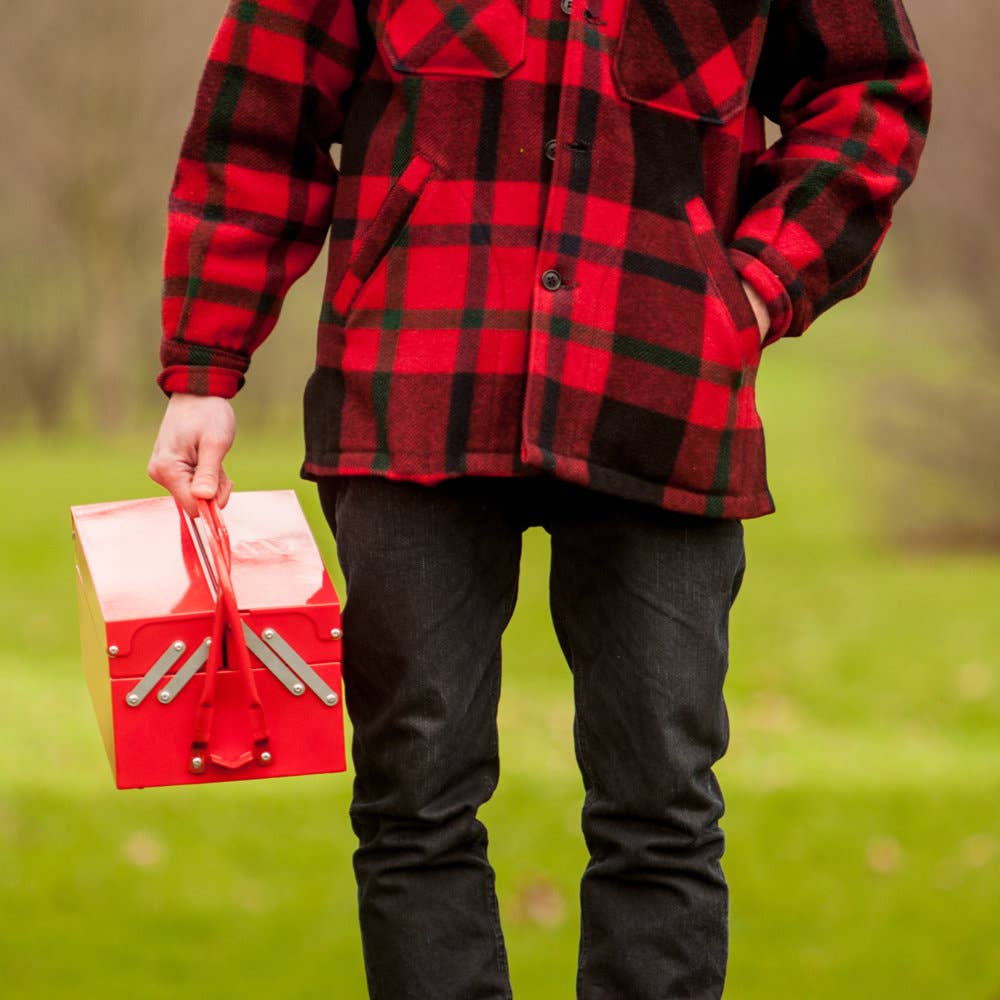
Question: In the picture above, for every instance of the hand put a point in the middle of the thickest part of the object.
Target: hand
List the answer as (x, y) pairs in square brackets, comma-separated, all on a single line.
[(194, 437), (759, 309)]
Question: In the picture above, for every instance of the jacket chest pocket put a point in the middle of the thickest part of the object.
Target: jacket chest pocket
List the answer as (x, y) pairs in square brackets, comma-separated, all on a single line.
[(483, 38), (693, 58)]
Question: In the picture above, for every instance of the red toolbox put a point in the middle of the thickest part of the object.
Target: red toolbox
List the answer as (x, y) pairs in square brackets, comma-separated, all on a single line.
[(211, 646)]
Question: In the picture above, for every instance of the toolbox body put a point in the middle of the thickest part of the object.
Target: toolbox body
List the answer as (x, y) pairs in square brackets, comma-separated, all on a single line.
[(148, 592)]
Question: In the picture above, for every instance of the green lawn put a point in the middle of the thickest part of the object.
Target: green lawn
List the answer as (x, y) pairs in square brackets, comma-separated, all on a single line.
[(863, 777)]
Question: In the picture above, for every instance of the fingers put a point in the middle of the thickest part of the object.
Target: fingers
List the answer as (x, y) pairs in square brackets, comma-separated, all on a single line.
[(225, 489), (208, 473), (760, 311), (175, 477)]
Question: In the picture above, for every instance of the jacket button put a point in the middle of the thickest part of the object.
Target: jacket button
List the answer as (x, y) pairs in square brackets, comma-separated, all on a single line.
[(551, 280), (550, 149), (566, 5)]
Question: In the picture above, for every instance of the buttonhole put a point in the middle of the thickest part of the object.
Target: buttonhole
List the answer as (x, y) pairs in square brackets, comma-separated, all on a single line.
[(577, 146), (592, 17)]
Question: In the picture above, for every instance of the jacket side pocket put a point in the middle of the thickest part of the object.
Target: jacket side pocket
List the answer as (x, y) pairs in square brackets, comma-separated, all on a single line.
[(383, 230), (724, 280)]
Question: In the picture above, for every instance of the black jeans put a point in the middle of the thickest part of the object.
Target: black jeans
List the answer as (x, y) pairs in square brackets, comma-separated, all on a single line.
[(640, 599)]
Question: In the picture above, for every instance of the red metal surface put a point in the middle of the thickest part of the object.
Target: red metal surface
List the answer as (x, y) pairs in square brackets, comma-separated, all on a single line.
[(275, 562), (142, 560), (153, 741), (146, 583)]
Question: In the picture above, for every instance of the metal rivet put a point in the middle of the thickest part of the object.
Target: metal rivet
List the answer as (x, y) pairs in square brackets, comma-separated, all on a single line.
[(265, 757), (335, 633), (550, 149), (331, 698), (133, 700), (113, 650), (297, 689), (197, 764), (268, 633), (179, 646), (551, 279), (164, 697)]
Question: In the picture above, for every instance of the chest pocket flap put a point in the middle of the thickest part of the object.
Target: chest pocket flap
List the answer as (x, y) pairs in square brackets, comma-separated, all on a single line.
[(693, 58), (483, 38)]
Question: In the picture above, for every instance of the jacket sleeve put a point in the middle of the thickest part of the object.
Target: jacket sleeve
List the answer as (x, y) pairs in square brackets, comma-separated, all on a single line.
[(847, 85), (250, 202)]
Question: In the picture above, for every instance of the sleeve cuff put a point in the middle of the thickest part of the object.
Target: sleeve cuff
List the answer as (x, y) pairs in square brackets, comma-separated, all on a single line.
[(200, 380), (771, 289)]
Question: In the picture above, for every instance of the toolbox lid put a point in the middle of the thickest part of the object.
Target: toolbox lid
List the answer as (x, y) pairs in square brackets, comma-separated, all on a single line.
[(143, 561)]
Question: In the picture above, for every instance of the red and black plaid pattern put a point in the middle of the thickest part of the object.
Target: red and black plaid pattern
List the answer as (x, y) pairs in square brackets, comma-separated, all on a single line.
[(540, 223)]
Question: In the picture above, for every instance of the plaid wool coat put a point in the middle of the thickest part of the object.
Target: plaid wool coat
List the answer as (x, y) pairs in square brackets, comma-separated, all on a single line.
[(539, 225)]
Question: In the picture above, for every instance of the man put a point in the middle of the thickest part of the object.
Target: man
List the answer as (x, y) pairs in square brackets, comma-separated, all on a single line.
[(558, 245)]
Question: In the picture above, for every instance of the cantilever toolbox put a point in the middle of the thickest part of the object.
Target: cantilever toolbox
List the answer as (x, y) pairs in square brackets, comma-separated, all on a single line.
[(211, 646)]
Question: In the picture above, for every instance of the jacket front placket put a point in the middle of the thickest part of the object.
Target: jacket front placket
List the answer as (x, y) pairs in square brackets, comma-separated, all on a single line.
[(564, 377)]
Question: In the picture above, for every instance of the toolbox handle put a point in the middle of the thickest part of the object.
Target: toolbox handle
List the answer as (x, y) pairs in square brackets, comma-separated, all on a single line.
[(227, 628)]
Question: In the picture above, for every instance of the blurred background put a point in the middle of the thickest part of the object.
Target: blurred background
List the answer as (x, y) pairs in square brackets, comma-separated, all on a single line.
[(863, 776)]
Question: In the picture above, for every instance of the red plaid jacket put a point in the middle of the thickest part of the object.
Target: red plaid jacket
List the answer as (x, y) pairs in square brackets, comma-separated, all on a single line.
[(539, 224)]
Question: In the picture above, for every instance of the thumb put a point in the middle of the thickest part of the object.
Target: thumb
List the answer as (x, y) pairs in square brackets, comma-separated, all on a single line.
[(207, 475)]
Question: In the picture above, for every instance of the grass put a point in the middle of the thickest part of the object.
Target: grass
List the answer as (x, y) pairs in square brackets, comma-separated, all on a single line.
[(862, 781)]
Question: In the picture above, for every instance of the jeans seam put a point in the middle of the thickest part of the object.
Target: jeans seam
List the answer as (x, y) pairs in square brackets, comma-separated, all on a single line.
[(582, 755), (503, 966)]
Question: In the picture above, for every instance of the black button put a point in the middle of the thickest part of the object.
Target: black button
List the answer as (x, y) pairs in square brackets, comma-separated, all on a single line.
[(550, 149), (551, 279), (566, 6)]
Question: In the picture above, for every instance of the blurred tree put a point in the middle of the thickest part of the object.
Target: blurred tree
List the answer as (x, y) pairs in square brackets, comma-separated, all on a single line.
[(938, 413), (948, 237), (93, 110), (95, 105)]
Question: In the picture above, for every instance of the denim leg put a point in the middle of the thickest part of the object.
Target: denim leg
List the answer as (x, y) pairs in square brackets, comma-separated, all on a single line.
[(640, 600), (431, 583)]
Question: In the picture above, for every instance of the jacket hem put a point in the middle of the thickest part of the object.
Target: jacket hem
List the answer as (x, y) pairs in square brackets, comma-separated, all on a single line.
[(538, 462)]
